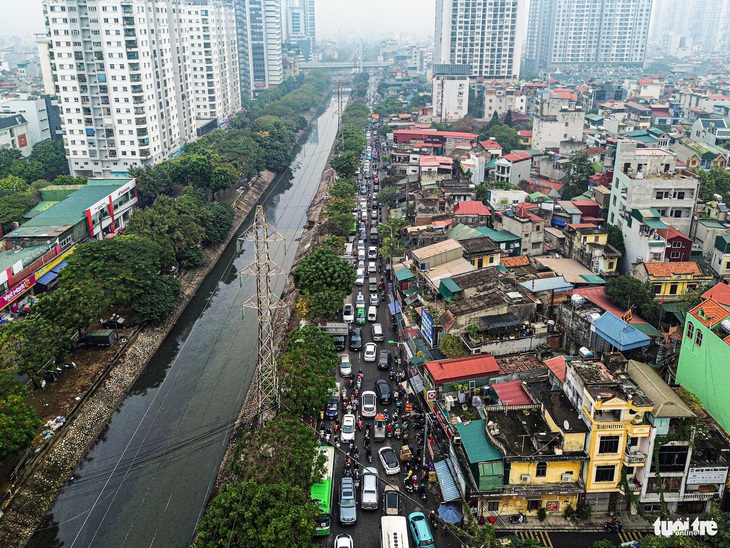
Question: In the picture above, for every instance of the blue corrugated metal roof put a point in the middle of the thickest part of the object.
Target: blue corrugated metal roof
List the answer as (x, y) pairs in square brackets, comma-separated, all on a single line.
[(446, 475), (619, 333), (556, 283)]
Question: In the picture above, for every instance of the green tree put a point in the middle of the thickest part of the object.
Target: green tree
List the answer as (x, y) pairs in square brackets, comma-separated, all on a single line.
[(18, 420), (384, 130), (627, 291), (346, 164), (8, 156), (344, 188), (195, 170), (218, 223), (324, 280), (691, 299), (508, 118), (577, 171), (603, 543), (267, 515), (616, 238), (50, 157), (14, 206), (390, 105), (507, 137), (72, 308), (27, 347), (158, 301), (716, 180), (222, 179), (452, 347), (388, 195), (152, 181), (494, 121), (71, 180), (14, 183)]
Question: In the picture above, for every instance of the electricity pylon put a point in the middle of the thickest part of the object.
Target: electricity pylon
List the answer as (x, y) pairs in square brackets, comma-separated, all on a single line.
[(266, 376)]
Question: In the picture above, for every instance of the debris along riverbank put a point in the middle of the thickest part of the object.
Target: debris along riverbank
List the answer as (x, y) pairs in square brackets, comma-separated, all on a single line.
[(84, 424)]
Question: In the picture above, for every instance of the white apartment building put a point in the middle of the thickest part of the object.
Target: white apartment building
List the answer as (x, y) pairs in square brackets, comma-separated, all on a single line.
[(14, 133), (450, 92), (483, 34), (35, 112), (690, 27), (646, 178), (566, 32), (557, 118), (259, 25), (501, 99)]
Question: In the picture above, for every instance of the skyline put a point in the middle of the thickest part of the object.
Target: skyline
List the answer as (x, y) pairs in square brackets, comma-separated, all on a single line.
[(335, 19)]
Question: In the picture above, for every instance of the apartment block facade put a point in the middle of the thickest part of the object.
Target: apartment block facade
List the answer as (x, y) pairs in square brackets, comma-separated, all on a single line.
[(133, 77), (481, 33), (259, 25)]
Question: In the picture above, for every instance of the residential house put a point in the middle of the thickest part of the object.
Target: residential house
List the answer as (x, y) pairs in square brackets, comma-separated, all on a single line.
[(638, 116), (509, 243), (720, 258), (565, 212), (14, 133), (679, 246), (513, 168), (492, 147), (499, 200), (443, 142), (521, 221), (693, 467), (549, 292), (613, 408), (642, 240), (557, 118), (440, 260), (671, 280), (502, 99), (588, 244), (441, 377), (434, 169), (700, 155), (525, 138), (471, 213), (712, 131), (481, 252), (704, 356), (661, 115), (706, 232), (450, 88), (648, 178)]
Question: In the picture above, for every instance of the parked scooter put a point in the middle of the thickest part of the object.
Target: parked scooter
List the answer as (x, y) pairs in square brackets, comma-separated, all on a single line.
[(613, 526), (519, 518)]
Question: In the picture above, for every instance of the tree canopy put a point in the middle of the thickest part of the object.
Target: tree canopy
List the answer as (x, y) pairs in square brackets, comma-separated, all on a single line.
[(577, 171), (324, 281), (18, 420), (627, 292)]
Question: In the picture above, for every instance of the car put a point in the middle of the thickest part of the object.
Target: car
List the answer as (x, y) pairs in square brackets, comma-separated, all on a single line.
[(374, 299), (361, 265), (377, 330), (390, 460), (372, 314), (345, 366), (360, 300), (361, 245), (369, 407), (418, 524), (374, 214), (332, 409), (369, 497), (371, 352), (363, 235), (382, 389), (363, 189), (348, 427), (391, 501), (348, 313), (356, 340), (348, 502), (359, 279), (385, 360), (360, 317), (372, 252), (343, 541), (372, 267)]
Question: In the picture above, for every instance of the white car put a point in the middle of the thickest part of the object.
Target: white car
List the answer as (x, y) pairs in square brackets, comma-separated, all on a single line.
[(348, 313), (361, 245), (372, 252), (374, 299), (372, 267), (369, 402), (390, 460), (343, 541), (371, 352), (361, 265), (360, 301), (348, 427), (346, 366)]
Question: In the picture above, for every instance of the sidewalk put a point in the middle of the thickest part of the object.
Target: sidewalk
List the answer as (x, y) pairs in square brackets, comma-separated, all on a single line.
[(560, 524)]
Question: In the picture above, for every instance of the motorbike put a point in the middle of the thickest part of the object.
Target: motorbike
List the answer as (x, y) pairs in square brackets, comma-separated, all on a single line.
[(391, 374), (519, 518), (369, 454), (613, 527)]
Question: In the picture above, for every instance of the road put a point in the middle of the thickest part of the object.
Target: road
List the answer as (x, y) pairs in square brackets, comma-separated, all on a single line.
[(146, 480)]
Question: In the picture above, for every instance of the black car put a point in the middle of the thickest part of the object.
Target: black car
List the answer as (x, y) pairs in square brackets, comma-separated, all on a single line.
[(385, 360), (382, 390), (356, 340)]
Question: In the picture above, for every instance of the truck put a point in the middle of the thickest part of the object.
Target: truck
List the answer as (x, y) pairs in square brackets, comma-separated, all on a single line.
[(98, 338), (339, 331)]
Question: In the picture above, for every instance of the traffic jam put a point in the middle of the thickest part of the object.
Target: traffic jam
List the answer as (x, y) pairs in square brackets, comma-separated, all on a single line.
[(381, 477)]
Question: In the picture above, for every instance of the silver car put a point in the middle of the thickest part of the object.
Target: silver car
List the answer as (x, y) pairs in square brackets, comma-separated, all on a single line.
[(348, 502), (369, 497)]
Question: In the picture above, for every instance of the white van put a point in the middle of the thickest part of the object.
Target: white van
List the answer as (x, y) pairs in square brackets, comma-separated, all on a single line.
[(377, 332), (360, 277), (372, 313), (393, 532)]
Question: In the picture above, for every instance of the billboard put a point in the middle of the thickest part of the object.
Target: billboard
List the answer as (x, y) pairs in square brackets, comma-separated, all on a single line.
[(427, 326)]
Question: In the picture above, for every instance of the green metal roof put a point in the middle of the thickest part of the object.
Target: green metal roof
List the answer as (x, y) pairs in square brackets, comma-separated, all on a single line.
[(26, 254), (72, 210), (499, 236), (593, 279), (404, 274), (463, 232), (491, 164), (40, 208), (654, 223), (594, 117), (451, 285), (475, 442), (646, 329)]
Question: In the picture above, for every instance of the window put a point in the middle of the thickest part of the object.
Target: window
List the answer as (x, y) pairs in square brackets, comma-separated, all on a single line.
[(605, 473), (493, 506), (608, 444), (674, 255), (698, 338), (533, 505), (677, 213), (676, 244), (541, 471), (672, 458)]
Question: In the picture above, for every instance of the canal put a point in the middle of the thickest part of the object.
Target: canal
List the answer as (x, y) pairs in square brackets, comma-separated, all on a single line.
[(146, 480)]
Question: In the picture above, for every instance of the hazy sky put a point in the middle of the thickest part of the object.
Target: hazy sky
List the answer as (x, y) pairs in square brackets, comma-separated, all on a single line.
[(335, 18)]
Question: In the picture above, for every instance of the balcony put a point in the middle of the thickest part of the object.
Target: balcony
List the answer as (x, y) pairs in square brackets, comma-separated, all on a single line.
[(135, 77), (132, 55), (144, 152), (137, 89), (138, 111), (142, 132), (128, 21), (140, 121), (131, 44), (634, 459), (143, 142), (137, 99), (127, 10), (130, 33), (639, 430)]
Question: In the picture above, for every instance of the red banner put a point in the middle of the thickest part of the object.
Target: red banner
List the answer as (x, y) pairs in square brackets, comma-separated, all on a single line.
[(22, 140), (17, 291)]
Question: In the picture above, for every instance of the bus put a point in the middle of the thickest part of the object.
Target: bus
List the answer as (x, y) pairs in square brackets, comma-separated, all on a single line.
[(393, 532), (321, 492)]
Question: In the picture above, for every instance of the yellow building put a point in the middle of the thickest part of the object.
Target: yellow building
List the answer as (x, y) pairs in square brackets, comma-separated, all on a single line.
[(481, 252), (670, 281), (613, 408), (588, 244)]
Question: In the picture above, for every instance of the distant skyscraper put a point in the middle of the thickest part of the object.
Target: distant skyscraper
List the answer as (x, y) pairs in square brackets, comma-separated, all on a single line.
[(137, 79), (481, 33), (299, 25), (686, 28), (259, 44), (574, 32)]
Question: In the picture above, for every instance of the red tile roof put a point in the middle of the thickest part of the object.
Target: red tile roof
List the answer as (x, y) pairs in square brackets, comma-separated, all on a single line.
[(517, 156), (557, 366), (457, 369), (719, 293), (595, 150), (512, 393), (671, 233), (672, 269), (471, 207), (490, 143), (514, 262), (598, 297), (709, 313), (717, 97), (525, 133), (584, 203), (419, 134)]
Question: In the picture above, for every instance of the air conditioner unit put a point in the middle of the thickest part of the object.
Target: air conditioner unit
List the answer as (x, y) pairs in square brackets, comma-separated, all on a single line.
[(525, 478), (566, 478)]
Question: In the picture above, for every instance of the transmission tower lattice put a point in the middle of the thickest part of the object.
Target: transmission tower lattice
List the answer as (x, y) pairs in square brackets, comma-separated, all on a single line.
[(266, 379)]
